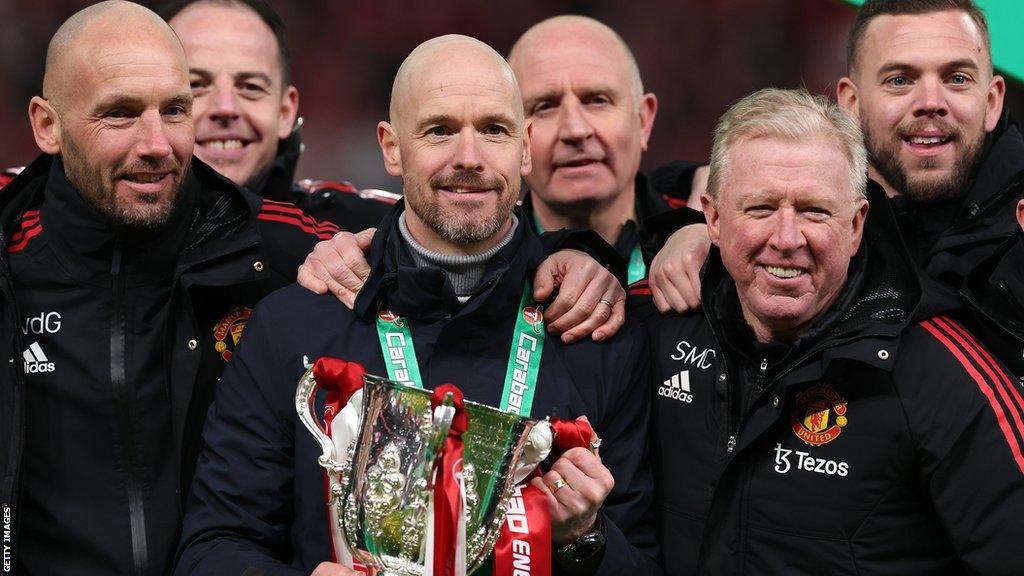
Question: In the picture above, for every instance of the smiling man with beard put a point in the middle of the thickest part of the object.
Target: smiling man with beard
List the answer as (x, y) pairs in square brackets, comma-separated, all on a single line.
[(128, 272), (920, 82), (453, 261)]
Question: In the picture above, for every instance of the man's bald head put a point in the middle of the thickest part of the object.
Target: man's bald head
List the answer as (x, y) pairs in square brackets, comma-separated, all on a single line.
[(117, 110), (427, 65), (100, 25), (579, 31), (457, 137)]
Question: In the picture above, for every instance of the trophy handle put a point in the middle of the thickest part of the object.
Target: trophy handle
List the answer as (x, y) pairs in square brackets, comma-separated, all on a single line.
[(443, 416), (305, 395)]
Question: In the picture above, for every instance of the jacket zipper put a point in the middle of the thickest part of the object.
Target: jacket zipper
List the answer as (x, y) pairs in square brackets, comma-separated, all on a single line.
[(123, 402), (754, 393)]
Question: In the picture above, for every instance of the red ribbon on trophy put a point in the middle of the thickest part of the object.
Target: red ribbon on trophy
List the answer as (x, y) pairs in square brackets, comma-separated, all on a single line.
[(448, 504), (525, 538), (341, 379)]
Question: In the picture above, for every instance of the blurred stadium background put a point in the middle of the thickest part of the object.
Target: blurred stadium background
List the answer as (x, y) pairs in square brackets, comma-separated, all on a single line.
[(698, 56)]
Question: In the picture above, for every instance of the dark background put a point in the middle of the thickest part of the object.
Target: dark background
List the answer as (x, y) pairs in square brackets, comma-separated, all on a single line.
[(698, 56)]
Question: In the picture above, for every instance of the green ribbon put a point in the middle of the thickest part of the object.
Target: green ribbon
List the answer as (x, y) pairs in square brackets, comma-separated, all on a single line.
[(523, 359)]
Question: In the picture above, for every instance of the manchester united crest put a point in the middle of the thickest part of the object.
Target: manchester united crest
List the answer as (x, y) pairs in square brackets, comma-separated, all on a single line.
[(228, 332), (819, 416)]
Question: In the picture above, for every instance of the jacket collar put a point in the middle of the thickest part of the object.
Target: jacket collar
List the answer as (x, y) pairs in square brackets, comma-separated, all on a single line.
[(278, 181), (222, 217), (424, 293)]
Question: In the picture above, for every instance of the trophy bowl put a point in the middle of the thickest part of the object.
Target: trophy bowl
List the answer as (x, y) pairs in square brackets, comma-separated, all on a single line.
[(384, 494)]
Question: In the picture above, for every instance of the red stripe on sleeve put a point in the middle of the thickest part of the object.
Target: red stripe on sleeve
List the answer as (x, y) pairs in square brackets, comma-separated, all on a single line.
[(986, 390), (1005, 386), (270, 206), (23, 242), (295, 222)]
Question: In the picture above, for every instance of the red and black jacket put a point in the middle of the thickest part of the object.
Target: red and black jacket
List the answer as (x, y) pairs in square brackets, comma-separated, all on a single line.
[(138, 325)]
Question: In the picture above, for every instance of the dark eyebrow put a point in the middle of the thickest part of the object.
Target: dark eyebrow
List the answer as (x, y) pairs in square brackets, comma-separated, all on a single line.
[(183, 100), (550, 95), (896, 66), (436, 119), (499, 119), (254, 76), (244, 75), (130, 102)]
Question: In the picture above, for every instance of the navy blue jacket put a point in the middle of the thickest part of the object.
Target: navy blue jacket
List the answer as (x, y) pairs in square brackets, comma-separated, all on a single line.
[(258, 497)]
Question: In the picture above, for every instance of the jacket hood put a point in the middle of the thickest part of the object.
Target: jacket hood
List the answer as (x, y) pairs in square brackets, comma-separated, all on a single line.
[(879, 299)]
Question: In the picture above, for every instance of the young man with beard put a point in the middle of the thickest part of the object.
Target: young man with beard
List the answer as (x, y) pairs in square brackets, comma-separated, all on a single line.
[(922, 86), (803, 421), (128, 270), (453, 261)]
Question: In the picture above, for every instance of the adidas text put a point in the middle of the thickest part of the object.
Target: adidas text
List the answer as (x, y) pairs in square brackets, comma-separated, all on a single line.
[(36, 361), (677, 387)]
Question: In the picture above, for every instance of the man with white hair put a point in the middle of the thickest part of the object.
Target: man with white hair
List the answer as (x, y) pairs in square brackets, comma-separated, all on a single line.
[(819, 429)]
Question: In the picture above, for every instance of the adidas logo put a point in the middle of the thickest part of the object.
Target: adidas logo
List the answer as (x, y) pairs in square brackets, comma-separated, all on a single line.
[(36, 361), (677, 387)]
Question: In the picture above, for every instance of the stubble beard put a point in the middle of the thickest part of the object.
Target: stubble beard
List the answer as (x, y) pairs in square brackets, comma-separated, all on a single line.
[(883, 155), (146, 212), (452, 225)]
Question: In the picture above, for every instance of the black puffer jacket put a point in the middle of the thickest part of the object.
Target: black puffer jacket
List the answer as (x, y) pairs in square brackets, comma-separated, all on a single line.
[(872, 445)]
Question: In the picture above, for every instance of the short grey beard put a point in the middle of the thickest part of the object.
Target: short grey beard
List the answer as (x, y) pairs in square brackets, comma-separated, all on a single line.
[(88, 184), (463, 230)]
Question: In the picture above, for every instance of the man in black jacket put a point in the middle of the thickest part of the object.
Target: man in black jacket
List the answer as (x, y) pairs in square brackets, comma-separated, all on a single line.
[(129, 271), (455, 266), (803, 422), (940, 143), (246, 109)]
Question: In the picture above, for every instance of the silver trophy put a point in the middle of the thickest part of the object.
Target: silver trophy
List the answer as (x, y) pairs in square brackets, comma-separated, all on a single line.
[(382, 481)]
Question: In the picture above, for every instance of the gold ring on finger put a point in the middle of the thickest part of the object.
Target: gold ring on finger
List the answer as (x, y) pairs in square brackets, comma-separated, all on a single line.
[(557, 485)]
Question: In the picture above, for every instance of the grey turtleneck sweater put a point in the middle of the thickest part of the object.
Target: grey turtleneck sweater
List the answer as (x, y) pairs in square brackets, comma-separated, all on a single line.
[(464, 272)]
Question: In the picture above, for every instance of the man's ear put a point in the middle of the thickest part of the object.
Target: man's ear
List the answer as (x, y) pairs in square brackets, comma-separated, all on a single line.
[(858, 223), (527, 166), (388, 140), (711, 216), (289, 110), (847, 96), (1020, 214), (994, 106), (45, 125), (648, 110)]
